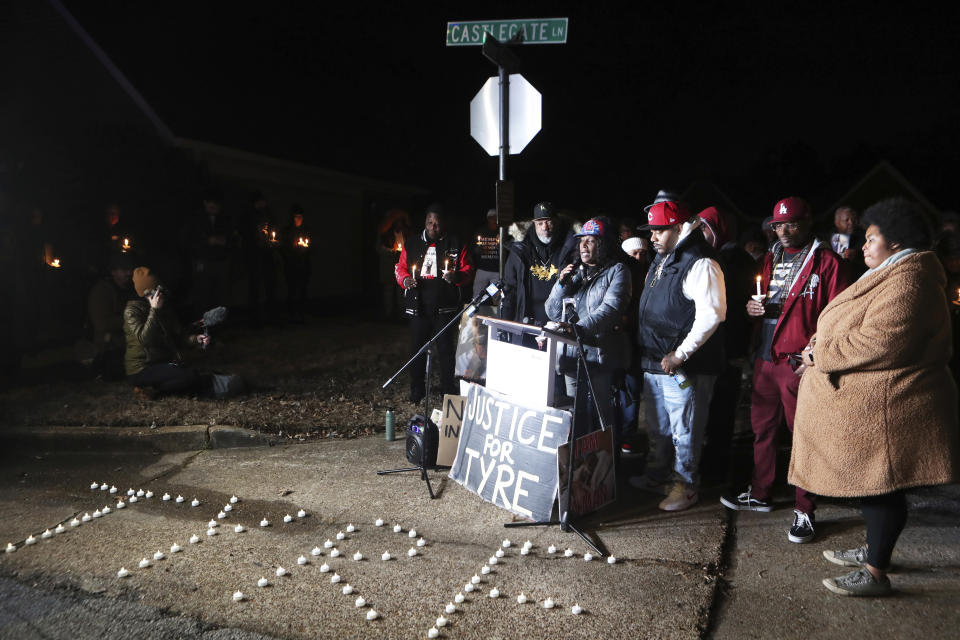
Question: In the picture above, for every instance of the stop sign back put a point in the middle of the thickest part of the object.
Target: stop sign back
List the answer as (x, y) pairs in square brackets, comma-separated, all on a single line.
[(525, 103)]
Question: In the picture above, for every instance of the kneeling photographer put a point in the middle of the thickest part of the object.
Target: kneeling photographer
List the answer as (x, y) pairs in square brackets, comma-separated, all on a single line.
[(154, 338)]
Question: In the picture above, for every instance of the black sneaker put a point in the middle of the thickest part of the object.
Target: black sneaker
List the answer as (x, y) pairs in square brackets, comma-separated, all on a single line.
[(802, 529), (745, 502)]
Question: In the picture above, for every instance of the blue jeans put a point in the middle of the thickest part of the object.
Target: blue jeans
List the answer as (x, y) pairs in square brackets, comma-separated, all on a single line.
[(676, 423)]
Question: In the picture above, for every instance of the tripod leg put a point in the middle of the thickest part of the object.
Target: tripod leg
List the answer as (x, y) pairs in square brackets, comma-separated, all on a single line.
[(426, 478)]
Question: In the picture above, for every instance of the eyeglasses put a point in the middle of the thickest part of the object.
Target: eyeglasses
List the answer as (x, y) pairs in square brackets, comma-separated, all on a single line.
[(788, 226)]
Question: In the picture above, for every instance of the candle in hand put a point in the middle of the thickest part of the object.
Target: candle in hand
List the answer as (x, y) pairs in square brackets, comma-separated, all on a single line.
[(758, 286), (414, 272), (446, 264)]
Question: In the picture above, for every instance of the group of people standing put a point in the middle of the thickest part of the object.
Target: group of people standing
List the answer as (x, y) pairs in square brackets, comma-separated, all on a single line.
[(855, 367)]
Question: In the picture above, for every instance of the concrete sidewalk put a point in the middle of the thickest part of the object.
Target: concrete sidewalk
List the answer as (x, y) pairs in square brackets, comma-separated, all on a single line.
[(706, 572)]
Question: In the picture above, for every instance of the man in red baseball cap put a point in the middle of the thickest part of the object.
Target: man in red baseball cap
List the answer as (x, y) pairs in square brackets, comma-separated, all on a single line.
[(681, 352), (800, 276)]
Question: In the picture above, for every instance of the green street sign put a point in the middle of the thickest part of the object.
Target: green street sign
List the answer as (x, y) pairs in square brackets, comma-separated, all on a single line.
[(534, 31)]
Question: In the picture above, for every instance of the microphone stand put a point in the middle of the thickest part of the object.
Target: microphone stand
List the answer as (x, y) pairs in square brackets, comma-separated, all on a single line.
[(492, 289), (564, 521)]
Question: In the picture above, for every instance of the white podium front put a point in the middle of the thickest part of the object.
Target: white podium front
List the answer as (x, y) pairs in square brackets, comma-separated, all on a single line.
[(524, 373)]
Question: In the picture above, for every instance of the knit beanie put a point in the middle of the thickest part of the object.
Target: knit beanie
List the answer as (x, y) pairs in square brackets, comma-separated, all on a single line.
[(144, 280)]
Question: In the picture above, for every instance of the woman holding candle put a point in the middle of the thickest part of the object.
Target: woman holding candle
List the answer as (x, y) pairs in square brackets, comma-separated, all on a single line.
[(877, 407)]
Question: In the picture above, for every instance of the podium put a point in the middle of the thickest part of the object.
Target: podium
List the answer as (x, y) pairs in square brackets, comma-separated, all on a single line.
[(521, 372)]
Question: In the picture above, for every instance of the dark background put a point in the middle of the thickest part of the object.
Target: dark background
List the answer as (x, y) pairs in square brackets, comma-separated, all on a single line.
[(764, 100)]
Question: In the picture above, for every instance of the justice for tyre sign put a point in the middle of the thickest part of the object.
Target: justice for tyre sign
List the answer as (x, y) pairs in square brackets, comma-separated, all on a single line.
[(508, 452)]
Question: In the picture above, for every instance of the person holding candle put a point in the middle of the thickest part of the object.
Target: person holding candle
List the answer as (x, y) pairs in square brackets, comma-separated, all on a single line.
[(297, 266), (434, 270), (877, 406), (680, 344), (800, 276)]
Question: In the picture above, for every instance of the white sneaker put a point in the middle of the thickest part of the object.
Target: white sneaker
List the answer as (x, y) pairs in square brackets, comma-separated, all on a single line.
[(682, 496)]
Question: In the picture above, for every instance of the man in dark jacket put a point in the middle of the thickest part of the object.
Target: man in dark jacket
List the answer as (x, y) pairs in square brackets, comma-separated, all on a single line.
[(682, 306), (533, 266), (434, 268)]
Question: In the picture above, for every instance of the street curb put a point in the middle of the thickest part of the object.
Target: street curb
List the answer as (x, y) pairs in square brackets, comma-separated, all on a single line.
[(165, 439)]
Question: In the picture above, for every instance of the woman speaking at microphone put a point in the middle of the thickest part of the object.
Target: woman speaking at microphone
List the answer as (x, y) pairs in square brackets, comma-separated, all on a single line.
[(600, 286)]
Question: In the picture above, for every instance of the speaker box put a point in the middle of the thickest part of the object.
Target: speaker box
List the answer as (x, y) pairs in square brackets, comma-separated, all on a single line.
[(423, 441)]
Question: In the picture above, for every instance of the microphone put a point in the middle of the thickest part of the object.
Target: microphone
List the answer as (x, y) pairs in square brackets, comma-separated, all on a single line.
[(570, 311), (492, 289), (211, 318), (574, 276)]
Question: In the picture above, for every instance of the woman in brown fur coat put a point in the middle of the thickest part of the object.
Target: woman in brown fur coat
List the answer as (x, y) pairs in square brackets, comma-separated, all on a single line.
[(877, 406)]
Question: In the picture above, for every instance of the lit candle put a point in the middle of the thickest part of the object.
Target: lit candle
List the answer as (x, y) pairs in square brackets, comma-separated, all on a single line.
[(301, 514), (316, 551), (372, 614), (302, 560), (758, 286), (126, 245), (263, 582), (414, 272), (446, 264)]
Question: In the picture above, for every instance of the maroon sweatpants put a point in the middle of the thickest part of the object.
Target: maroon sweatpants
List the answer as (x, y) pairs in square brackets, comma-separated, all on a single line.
[(774, 399)]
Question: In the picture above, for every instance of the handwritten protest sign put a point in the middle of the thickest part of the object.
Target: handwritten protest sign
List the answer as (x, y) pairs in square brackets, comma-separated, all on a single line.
[(450, 422), (508, 452)]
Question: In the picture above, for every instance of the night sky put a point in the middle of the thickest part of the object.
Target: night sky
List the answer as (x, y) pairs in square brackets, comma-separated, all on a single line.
[(765, 101)]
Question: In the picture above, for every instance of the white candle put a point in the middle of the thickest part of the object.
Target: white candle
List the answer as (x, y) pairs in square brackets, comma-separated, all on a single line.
[(237, 596), (302, 560), (758, 286), (123, 573), (263, 582), (576, 610), (281, 572), (315, 551), (372, 614)]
